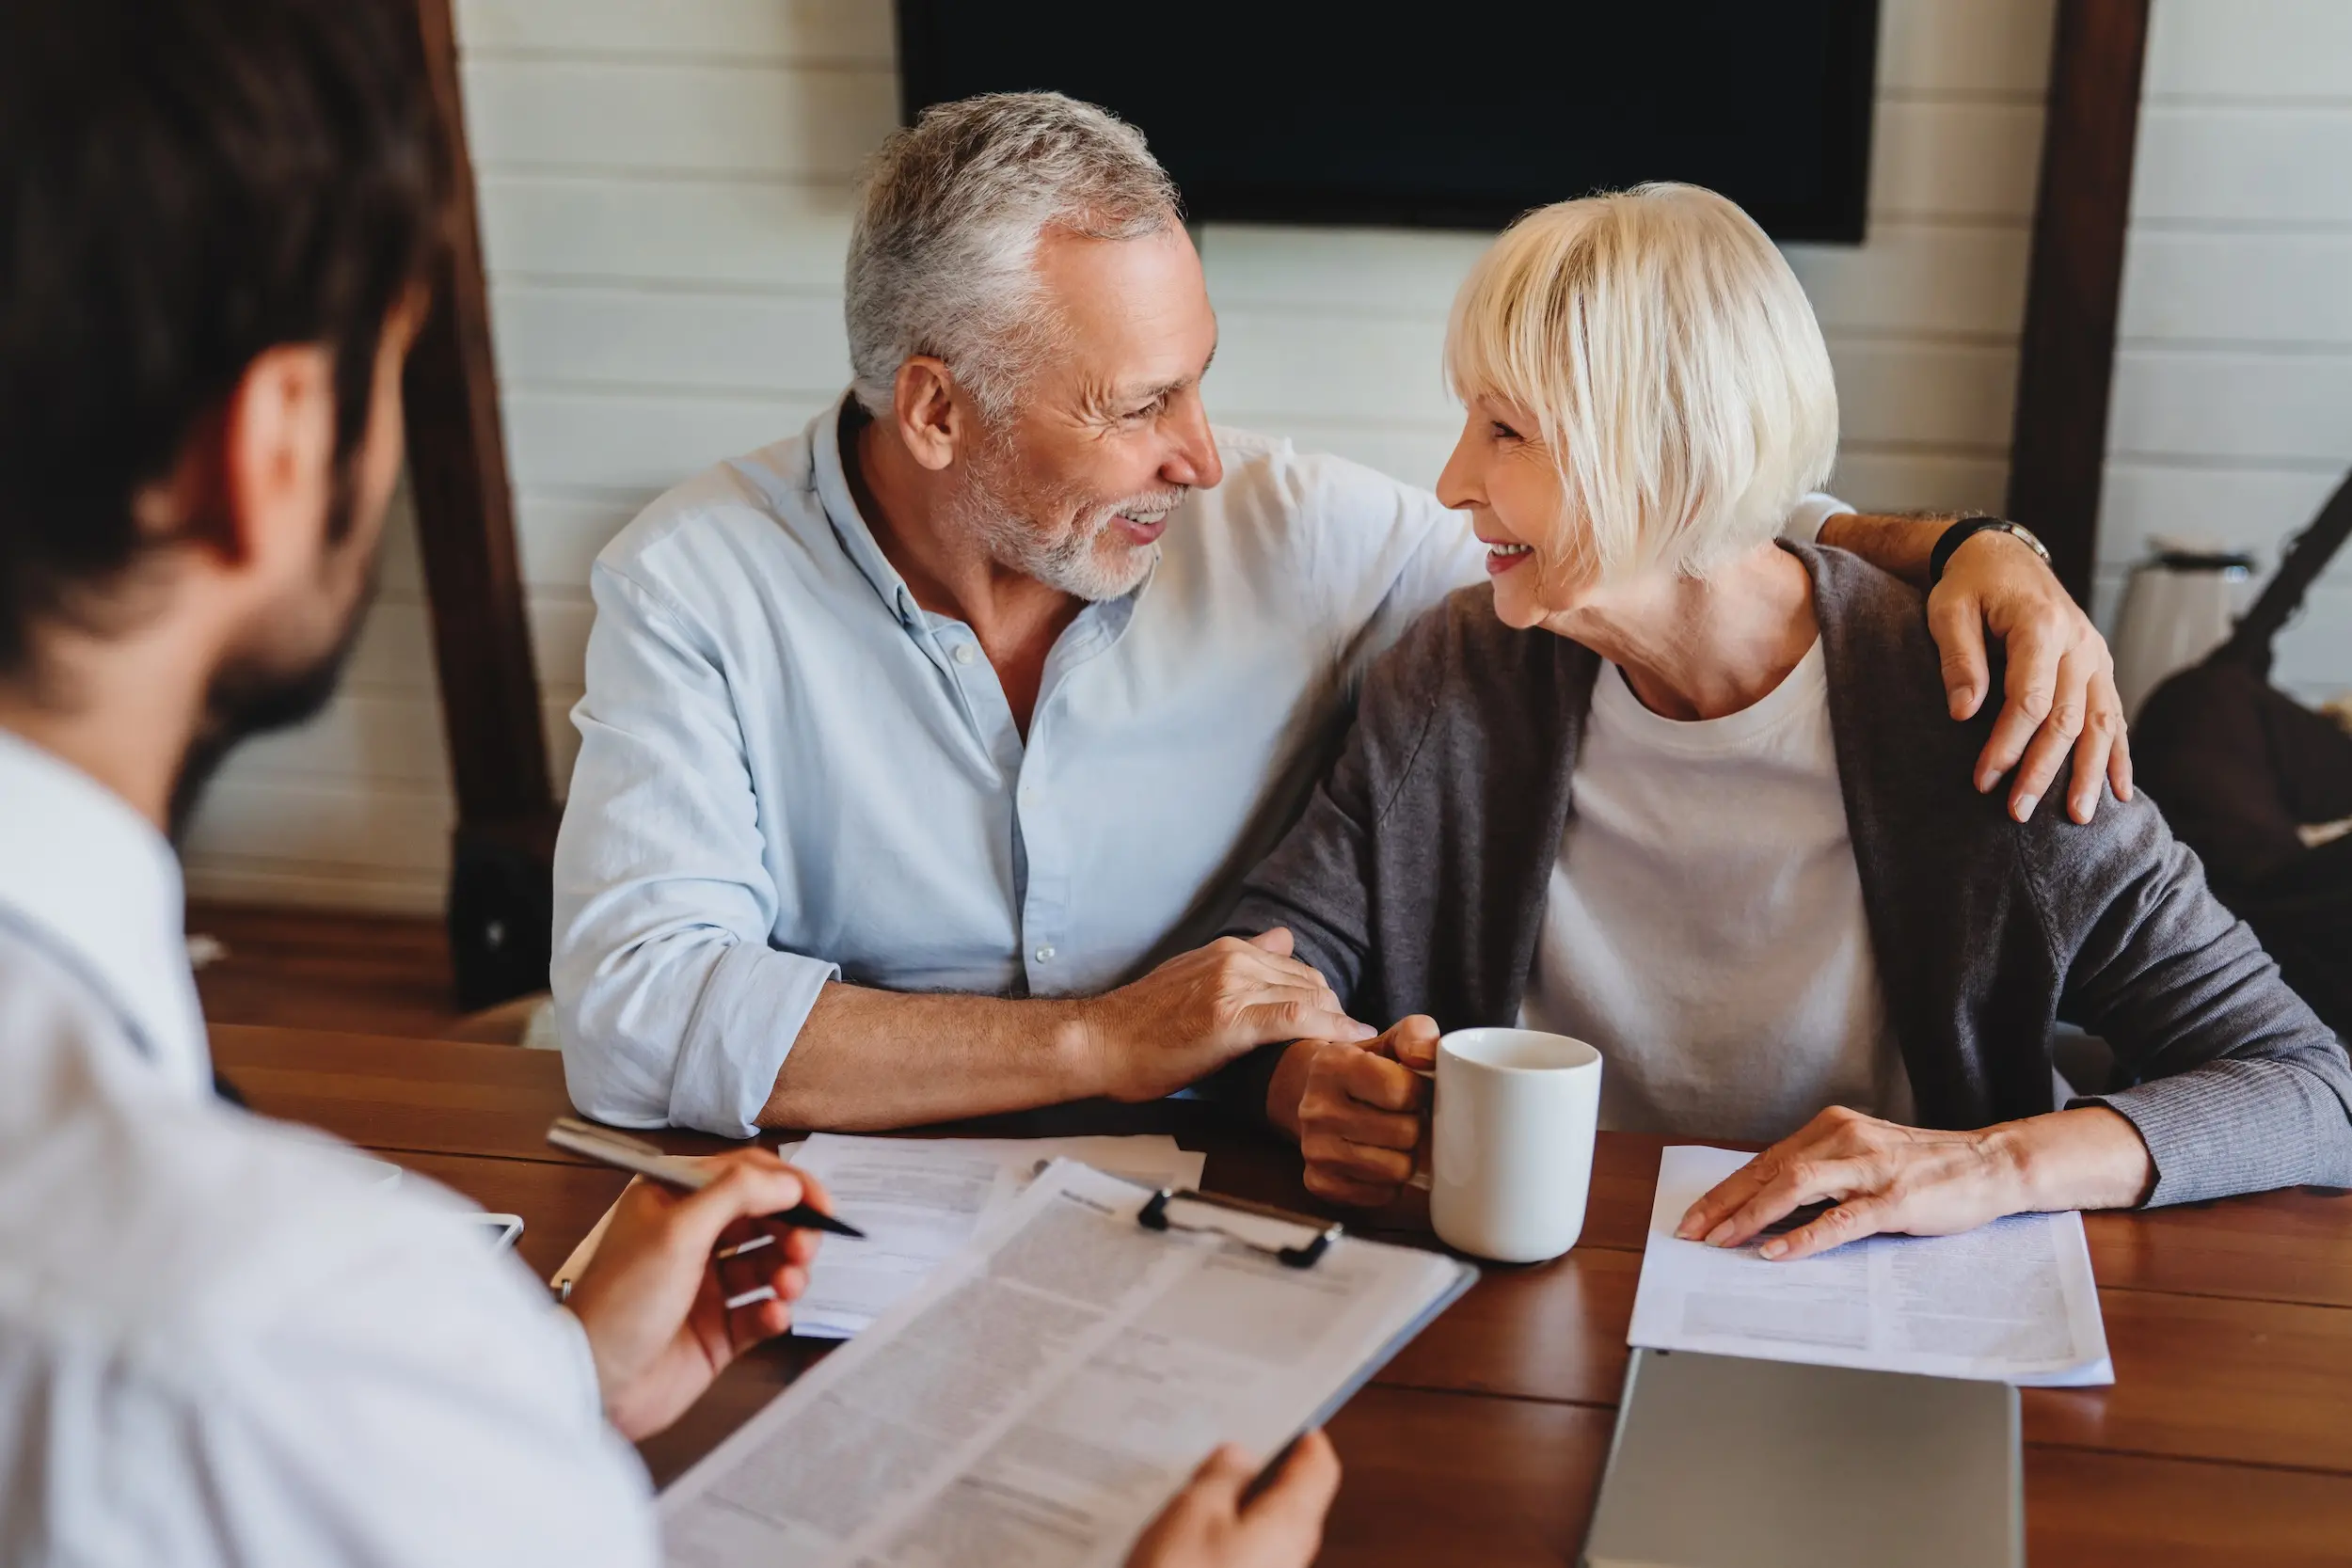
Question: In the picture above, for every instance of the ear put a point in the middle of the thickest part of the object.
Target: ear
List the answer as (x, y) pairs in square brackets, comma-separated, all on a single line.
[(922, 402), (276, 456)]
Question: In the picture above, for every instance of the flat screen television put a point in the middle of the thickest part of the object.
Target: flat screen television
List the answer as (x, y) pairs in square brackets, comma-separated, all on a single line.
[(1447, 116)]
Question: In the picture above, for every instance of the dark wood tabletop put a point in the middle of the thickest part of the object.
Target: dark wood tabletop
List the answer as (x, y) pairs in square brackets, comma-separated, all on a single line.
[(2226, 1439)]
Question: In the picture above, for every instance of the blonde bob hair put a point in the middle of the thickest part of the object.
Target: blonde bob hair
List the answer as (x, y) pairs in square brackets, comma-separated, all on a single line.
[(1672, 366)]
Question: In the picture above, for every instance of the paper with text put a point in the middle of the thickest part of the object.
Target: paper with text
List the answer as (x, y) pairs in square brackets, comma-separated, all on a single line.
[(919, 1200), (2012, 1302), (1043, 1394)]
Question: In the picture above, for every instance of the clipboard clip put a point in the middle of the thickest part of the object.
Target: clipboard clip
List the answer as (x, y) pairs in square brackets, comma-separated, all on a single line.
[(1153, 1217)]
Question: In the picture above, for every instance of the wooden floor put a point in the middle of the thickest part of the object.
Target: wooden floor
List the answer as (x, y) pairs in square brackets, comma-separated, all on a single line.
[(373, 974)]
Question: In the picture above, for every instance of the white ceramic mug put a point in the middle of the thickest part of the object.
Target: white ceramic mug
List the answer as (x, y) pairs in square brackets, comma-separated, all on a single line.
[(1512, 1142)]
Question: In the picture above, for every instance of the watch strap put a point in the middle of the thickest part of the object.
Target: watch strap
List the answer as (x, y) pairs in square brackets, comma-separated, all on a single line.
[(1967, 529)]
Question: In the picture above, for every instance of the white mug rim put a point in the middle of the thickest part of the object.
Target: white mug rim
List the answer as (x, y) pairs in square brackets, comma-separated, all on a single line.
[(1590, 1064)]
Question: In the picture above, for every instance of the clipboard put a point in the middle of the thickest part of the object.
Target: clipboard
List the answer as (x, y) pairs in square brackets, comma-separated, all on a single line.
[(1115, 1331), (1304, 1253)]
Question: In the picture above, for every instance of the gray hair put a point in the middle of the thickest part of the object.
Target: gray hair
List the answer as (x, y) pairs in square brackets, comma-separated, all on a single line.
[(948, 218)]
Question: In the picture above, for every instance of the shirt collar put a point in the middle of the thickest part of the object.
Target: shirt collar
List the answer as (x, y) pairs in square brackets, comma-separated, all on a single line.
[(98, 889), (857, 539), (849, 524)]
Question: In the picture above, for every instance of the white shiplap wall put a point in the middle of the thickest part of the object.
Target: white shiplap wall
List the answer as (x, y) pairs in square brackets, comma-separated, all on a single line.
[(2233, 413), (664, 202)]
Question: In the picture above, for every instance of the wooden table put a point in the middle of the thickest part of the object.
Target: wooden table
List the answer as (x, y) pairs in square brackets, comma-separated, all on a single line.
[(2227, 1438)]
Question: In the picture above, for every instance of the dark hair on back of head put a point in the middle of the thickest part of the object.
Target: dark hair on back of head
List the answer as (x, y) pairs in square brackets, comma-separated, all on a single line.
[(185, 185)]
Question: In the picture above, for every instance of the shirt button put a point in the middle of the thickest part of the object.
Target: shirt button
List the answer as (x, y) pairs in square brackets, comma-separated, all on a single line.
[(963, 653), (1045, 955)]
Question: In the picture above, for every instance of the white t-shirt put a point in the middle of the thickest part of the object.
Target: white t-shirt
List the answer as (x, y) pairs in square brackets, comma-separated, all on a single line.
[(1703, 927)]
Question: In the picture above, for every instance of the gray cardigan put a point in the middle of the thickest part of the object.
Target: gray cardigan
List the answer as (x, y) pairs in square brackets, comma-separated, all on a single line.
[(1416, 881)]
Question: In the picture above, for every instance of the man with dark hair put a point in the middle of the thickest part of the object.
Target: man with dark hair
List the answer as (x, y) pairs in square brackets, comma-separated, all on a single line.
[(223, 1341)]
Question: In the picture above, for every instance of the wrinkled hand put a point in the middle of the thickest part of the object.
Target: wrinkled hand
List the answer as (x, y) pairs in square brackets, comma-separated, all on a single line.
[(1207, 1525), (1357, 1110), (654, 1301), (2060, 691), (1203, 1010), (1915, 1182)]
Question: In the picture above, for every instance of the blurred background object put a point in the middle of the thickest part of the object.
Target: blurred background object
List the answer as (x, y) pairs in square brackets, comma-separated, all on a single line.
[(2259, 785), (2178, 606)]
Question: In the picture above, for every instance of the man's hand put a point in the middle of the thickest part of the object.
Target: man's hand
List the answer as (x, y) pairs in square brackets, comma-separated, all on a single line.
[(1203, 1010), (1208, 1525), (654, 1301), (1917, 1182), (1357, 1110), (2060, 691)]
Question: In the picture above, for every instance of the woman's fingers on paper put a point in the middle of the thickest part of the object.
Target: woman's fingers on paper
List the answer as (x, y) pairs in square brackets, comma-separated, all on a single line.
[(1799, 1183), (1722, 1199), (1844, 1221)]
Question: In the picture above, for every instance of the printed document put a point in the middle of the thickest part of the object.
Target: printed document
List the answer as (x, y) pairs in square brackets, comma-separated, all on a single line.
[(919, 1200), (1044, 1392), (2011, 1302)]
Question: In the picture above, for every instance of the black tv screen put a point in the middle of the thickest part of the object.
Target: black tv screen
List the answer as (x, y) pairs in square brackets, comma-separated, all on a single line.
[(1449, 116)]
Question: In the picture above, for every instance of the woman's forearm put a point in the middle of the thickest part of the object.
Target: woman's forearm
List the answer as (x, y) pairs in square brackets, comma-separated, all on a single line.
[(2086, 1158)]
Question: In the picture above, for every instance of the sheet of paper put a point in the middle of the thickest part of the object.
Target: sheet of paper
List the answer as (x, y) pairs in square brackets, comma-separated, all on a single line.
[(919, 1200), (1042, 1394), (2011, 1302)]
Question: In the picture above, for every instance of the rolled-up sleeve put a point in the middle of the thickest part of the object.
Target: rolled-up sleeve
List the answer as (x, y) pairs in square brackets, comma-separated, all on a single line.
[(672, 1006)]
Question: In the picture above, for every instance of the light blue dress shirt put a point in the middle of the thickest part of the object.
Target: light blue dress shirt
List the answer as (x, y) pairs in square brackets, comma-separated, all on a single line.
[(789, 772)]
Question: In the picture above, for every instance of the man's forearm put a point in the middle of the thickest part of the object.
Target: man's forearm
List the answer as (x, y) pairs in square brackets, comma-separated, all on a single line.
[(866, 1060), (1898, 546)]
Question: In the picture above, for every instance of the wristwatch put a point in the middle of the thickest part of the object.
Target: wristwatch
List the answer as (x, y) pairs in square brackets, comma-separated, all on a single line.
[(1967, 529)]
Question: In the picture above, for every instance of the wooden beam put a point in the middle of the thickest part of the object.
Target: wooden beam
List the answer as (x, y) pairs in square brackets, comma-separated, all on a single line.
[(2066, 361), (506, 812)]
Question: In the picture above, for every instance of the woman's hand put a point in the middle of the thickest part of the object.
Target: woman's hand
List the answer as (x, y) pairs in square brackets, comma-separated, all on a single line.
[(1883, 1177), (653, 1300), (1357, 1110), (1210, 1524)]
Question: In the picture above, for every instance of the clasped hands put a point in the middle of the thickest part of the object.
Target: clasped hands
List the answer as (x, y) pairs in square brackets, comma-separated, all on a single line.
[(1359, 1111)]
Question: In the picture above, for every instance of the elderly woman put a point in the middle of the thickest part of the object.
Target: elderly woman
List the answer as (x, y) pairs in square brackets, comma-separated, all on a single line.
[(1694, 796)]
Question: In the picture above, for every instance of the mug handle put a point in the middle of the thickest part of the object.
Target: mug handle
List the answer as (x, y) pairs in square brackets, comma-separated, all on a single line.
[(1420, 1179)]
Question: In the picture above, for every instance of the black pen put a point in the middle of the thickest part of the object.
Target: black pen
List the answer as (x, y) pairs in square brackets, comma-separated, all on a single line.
[(623, 1153)]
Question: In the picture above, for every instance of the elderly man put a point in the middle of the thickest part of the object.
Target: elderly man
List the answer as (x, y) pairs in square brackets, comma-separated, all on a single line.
[(921, 750)]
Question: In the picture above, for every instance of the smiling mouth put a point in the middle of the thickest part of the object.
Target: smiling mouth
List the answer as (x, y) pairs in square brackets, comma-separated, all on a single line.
[(1142, 528), (1501, 557)]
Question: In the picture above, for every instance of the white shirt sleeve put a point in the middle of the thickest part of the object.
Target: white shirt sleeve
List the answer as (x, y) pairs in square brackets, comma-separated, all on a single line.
[(671, 1005), (423, 1414), (1803, 525), (1384, 553)]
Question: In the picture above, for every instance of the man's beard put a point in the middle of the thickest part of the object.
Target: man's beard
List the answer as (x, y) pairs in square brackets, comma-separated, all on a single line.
[(1075, 563), (251, 697)]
